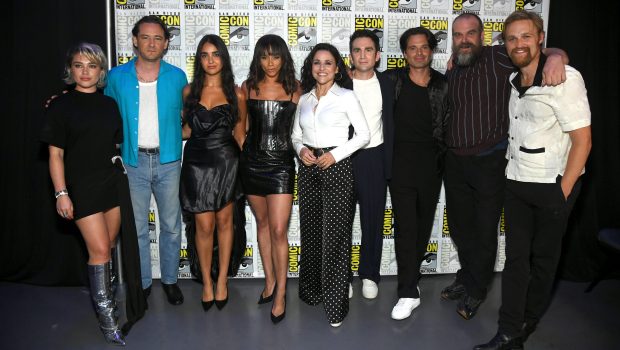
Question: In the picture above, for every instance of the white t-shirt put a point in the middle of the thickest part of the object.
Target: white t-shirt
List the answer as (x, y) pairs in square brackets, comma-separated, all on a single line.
[(148, 123), (368, 92)]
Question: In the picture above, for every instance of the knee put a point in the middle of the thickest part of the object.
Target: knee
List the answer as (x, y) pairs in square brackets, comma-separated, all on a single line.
[(262, 223), (225, 224), (100, 253), (279, 234)]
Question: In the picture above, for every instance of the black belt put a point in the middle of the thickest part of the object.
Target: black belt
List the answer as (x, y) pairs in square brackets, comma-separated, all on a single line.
[(317, 152), (154, 150)]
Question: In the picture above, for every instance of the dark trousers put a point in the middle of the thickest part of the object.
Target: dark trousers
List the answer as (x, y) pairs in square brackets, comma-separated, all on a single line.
[(414, 188), (370, 190), (326, 210), (536, 216), (474, 196)]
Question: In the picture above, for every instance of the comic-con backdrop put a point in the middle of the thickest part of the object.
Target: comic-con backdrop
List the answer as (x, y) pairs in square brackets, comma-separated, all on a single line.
[(303, 24)]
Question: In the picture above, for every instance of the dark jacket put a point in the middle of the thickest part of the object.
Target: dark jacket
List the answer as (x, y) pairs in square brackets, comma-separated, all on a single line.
[(438, 95), (387, 117)]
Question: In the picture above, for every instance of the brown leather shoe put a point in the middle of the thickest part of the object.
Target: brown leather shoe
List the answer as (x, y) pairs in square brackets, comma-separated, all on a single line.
[(468, 306), (453, 292)]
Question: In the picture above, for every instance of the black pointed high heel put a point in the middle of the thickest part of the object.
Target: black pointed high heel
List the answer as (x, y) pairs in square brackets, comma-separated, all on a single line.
[(276, 319), (206, 305), (267, 299), (221, 303)]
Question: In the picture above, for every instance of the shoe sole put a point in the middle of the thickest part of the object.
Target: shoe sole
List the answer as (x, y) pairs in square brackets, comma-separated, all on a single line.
[(369, 296), (409, 315)]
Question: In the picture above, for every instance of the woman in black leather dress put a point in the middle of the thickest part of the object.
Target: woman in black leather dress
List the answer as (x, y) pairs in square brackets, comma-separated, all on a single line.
[(215, 114), (267, 166)]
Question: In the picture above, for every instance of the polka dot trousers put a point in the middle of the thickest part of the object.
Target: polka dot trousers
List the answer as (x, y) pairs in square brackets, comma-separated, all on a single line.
[(327, 208)]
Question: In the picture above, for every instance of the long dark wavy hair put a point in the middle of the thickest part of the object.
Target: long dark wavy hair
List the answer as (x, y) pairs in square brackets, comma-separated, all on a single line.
[(273, 45), (228, 78), (342, 78)]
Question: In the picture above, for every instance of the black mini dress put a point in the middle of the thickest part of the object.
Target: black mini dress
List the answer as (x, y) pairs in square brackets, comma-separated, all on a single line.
[(210, 161)]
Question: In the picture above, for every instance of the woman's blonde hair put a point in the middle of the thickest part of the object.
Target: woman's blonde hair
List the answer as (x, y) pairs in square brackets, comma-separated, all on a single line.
[(94, 54)]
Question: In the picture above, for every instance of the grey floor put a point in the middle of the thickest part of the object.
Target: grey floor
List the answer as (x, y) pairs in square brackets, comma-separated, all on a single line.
[(61, 318)]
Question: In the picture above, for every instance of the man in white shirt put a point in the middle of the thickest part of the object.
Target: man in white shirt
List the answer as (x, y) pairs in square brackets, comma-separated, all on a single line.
[(372, 165), (549, 143)]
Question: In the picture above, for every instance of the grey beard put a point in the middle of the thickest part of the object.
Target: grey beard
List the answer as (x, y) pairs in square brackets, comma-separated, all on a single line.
[(465, 59)]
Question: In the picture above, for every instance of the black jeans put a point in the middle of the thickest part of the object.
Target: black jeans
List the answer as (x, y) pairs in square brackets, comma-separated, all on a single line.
[(370, 190), (474, 196), (536, 216), (415, 187)]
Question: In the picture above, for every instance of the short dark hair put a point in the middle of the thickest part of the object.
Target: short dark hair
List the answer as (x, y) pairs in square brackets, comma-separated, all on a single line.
[(430, 37), (471, 15), (364, 33), (150, 19)]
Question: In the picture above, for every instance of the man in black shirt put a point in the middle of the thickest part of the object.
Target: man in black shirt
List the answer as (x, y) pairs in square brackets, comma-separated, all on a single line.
[(420, 118)]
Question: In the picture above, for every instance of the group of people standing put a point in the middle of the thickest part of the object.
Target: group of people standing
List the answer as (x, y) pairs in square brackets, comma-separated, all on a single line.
[(355, 131)]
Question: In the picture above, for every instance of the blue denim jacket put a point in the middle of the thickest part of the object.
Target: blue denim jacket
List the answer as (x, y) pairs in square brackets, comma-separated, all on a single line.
[(124, 88)]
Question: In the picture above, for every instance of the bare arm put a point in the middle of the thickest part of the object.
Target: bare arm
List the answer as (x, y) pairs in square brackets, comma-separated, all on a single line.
[(581, 144), (241, 127), (64, 206), (186, 132), (554, 72)]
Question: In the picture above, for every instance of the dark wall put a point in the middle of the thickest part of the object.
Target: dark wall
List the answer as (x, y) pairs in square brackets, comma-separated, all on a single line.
[(37, 247)]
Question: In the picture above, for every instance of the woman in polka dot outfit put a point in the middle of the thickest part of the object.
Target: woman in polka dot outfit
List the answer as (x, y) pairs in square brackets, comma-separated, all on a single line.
[(321, 139)]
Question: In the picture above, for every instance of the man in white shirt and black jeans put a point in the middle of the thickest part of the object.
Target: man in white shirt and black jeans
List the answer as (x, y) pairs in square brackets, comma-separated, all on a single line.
[(549, 143), (372, 165)]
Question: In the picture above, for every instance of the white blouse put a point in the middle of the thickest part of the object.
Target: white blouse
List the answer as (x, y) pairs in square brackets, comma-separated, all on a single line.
[(328, 125)]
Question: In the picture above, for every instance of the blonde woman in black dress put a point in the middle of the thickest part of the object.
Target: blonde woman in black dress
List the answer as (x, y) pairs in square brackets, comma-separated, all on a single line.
[(267, 163), (83, 130)]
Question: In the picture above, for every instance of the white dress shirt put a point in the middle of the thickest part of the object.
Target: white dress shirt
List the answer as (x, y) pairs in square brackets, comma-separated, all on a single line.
[(328, 125), (539, 124)]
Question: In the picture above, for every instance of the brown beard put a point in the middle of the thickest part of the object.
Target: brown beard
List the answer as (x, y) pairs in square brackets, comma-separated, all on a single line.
[(524, 61)]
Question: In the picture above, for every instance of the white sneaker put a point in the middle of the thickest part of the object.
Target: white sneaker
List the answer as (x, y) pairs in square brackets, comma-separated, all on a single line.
[(336, 325), (350, 291), (369, 289), (404, 307)]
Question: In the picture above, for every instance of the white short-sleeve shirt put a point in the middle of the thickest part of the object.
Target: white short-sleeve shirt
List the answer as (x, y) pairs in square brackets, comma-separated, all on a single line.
[(540, 120)]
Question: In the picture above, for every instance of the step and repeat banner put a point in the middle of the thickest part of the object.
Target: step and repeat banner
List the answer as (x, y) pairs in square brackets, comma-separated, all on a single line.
[(303, 24)]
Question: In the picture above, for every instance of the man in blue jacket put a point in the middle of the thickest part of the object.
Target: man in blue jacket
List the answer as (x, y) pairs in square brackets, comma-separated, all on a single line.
[(149, 95)]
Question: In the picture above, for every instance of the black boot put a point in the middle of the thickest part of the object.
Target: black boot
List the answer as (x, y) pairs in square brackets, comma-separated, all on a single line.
[(105, 305), (502, 341)]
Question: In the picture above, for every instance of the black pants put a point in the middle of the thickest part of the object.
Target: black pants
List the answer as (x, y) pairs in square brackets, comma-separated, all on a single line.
[(536, 216), (326, 210), (370, 190), (474, 196), (415, 187)]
